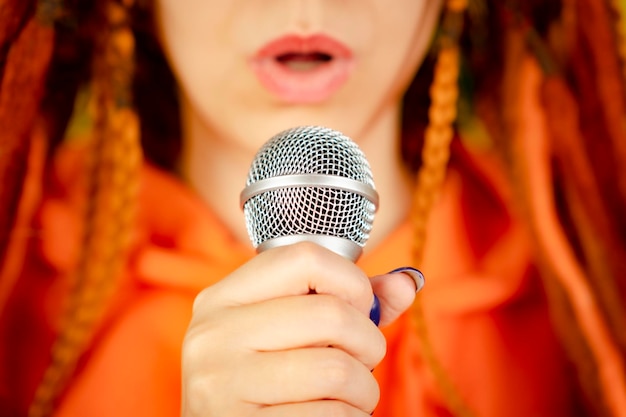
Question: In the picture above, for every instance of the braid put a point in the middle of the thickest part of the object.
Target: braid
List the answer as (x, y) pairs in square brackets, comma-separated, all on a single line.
[(599, 41), (435, 155), (506, 124), (619, 28), (593, 241), (26, 49), (111, 202), (568, 216), (596, 240), (557, 259), (13, 16)]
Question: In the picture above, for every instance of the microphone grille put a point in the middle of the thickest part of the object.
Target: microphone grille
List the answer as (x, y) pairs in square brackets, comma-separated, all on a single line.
[(308, 201), (310, 150)]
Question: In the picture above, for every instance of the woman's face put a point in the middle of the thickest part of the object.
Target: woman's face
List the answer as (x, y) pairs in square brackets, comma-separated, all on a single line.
[(248, 69)]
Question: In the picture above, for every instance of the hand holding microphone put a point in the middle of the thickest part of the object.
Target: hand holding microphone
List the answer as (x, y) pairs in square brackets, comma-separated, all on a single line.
[(289, 333)]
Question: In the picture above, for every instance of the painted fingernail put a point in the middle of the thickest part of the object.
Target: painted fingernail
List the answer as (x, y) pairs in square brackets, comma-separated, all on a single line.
[(416, 274), (375, 311)]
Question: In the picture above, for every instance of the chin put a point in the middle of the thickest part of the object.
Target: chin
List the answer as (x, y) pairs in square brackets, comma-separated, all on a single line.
[(266, 127)]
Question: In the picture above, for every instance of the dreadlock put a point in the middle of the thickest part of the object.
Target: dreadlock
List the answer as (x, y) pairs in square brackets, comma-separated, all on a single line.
[(435, 154), (582, 94), (113, 176), (571, 192), (26, 46)]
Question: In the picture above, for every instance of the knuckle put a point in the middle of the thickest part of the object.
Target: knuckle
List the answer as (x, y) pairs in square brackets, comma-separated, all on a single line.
[(363, 291), (379, 348), (307, 256), (193, 349), (201, 300), (196, 399), (373, 397), (337, 371), (314, 261), (338, 409), (335, 312), (197, 351), (207, 384)]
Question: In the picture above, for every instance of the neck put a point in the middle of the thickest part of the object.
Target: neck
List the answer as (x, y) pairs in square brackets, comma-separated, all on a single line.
[(217, 169)]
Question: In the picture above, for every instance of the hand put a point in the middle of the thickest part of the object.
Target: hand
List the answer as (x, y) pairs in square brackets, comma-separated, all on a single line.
[(261, 344)]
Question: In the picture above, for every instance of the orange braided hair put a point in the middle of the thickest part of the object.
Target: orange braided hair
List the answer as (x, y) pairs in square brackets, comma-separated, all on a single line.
[(435, 155), (571, 215), (619, 26), (591, 220), (569, 97), (111, 202), (26, 46)]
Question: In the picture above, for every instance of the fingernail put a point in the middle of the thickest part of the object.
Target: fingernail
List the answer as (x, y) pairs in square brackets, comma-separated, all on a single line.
[(416, 274), (375, 311)]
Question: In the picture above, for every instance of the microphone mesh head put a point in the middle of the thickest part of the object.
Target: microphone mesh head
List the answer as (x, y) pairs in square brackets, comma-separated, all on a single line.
[(301, 209)]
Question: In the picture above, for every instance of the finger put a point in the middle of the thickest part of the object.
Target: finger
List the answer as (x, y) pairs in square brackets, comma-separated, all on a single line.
[(396, 292), (312, 409), (296, 269), (313, 320), (304, 375)]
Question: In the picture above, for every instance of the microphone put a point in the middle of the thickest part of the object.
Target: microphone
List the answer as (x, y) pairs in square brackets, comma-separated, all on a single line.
[(313, 184)]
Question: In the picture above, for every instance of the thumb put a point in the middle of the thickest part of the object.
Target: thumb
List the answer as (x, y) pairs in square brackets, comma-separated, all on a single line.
[(396, 292)]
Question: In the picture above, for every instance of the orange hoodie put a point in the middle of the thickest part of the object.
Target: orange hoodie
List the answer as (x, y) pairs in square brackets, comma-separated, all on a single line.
[(484, 305)]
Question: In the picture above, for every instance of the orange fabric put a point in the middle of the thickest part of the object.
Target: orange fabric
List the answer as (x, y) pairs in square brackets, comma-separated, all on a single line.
[(485, 309), (484, 305)]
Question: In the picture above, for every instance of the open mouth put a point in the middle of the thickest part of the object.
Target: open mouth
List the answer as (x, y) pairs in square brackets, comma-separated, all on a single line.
[(300, 69), (303, 61)]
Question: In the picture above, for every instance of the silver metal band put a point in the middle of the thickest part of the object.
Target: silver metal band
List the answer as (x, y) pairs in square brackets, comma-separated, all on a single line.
[(344, 247), (309, 180)]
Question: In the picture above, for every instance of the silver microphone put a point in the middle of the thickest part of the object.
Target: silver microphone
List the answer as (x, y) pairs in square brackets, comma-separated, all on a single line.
[(312, 184)]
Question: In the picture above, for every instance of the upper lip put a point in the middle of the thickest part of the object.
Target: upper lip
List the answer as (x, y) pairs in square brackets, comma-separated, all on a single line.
[(318, 46)]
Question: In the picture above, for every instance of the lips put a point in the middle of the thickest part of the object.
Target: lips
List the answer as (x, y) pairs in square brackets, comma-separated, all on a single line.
[(301, 70)]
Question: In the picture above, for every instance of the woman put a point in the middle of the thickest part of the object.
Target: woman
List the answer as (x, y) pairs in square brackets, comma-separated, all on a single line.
[(122, 272)]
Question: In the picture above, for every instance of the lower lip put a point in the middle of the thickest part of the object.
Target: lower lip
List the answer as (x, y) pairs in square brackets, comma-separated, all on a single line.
[(310, 86)]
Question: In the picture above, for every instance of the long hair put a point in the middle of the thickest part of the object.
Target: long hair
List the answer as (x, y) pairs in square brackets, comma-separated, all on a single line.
[(50, 51)]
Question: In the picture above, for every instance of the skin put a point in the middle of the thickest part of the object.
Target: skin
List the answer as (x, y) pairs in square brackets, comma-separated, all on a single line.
[(266, 363), (281, 350)]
